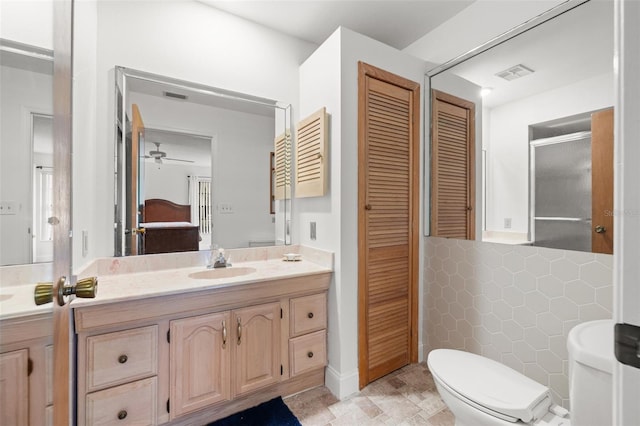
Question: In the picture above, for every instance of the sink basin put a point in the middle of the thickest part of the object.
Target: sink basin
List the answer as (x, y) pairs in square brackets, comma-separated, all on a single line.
[(212, 274)]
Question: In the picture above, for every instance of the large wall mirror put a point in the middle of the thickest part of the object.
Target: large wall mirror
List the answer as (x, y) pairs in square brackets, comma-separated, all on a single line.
[(177, 82), (542, 134), (26, 153), (195, 167)]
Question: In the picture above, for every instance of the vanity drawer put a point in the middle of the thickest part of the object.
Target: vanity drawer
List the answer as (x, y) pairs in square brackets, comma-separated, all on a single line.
[(130, 404), (308, 352), (308, 313), (120, 357)]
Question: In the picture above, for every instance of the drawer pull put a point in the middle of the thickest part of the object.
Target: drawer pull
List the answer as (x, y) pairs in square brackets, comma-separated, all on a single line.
[(310, 315), (122, 414), (239, 331), (310, 354), (224, 334), (122, 359)]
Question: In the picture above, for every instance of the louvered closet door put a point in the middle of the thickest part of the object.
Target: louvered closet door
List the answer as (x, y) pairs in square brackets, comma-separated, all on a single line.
[(452, 208), (387, 237)]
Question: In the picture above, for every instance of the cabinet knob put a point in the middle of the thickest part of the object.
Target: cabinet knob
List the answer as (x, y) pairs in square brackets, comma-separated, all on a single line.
[(122, 414), (310, 315), (310, 354), (122, 359)]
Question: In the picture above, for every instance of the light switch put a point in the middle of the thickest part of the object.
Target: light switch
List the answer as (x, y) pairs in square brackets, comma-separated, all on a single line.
[(312, 231), (8, 207), (225, 208)]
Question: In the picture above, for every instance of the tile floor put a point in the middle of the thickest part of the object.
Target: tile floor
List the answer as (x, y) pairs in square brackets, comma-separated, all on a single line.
[(405, 397)]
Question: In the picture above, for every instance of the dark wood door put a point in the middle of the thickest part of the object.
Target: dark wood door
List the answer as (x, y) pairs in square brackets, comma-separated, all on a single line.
[(602, 181)]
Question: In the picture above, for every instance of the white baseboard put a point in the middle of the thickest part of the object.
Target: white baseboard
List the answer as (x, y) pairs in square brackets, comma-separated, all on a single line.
[(341, 385), (345, 385)]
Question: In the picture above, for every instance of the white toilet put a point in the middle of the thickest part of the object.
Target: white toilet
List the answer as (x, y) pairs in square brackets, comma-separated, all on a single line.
[(591, 362), (480, 391)]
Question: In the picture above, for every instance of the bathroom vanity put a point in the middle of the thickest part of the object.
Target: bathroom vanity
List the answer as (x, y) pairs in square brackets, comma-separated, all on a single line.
[(191, 345)]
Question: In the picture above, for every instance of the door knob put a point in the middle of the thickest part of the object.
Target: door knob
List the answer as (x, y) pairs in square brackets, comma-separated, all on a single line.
[(86, 288), (367, 206), (134, 231), (600, 229)]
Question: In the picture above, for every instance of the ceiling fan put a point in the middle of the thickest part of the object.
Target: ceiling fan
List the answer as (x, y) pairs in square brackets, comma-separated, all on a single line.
[(158, 155)]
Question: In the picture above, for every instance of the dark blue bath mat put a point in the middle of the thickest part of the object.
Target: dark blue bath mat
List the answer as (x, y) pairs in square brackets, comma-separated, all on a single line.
[(270, 413)]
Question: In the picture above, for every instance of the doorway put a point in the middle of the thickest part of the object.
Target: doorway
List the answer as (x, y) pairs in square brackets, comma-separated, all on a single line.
[(388, 197)]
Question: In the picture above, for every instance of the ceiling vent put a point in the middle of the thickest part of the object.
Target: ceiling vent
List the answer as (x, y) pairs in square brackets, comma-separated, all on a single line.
[(514, 72), (175, 96)]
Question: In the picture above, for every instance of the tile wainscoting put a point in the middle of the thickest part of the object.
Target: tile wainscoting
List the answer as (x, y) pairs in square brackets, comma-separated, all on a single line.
[(514, 304)]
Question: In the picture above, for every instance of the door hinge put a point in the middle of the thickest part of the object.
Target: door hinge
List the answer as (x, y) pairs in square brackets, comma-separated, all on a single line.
[(281, 370), (168, 411), (29, 367), (168, 336), (280, 313), (627, 344)]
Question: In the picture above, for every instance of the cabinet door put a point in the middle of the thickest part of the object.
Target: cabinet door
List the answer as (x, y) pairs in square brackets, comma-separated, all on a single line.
[(257, 347), (14, 408), (199, 362)]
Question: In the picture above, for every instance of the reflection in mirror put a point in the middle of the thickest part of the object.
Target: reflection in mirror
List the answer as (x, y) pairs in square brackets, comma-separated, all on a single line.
[(192, 165), (543, 131), (26, 153)]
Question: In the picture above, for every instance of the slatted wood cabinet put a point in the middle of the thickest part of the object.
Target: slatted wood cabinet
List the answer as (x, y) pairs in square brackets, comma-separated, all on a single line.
[(195, 358)]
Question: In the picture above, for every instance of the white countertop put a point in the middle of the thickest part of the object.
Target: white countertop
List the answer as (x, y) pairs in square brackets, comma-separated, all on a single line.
[(139, 277), (18, 301), (141, 285)]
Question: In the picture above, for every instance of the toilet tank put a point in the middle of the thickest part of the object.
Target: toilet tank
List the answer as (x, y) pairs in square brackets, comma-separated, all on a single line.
[(591, 362)]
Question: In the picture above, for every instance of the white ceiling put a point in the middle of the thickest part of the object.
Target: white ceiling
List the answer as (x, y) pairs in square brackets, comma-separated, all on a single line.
[(574, 46), (397, 23), (565, 51)]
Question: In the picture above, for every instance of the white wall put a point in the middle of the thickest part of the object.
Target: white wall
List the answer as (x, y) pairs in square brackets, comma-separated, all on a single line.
[(23, 92), (184, 40), (170, 181), (330, 78), (27, 21), (508, 144), (514, 304)]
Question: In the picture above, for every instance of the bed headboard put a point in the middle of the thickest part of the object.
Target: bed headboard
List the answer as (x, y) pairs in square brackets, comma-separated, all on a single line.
[(158, 210)]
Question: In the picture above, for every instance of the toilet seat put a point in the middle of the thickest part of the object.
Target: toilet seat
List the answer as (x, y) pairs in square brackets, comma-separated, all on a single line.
[(490, 386)]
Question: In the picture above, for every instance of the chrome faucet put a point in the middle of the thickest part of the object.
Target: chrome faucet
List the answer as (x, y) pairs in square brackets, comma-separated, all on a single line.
[(220, 261)]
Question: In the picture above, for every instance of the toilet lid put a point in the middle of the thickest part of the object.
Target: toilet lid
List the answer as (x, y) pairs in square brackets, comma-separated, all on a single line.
[(489, 384)]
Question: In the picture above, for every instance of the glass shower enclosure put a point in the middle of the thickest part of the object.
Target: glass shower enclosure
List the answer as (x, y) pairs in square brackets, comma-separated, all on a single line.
[(560, 180)]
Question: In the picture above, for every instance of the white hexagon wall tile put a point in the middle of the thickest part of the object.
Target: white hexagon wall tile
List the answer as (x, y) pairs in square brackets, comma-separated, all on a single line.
[(514, 304)]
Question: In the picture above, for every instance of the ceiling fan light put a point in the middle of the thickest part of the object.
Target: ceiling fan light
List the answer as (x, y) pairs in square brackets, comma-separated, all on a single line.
[(158, 160)]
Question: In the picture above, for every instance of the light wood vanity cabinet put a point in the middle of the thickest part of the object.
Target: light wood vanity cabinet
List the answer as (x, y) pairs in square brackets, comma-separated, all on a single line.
[(26, 371), (198, 357), (120, 380), (200, 362), (208, 350), (256, 360), (14, 400)]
